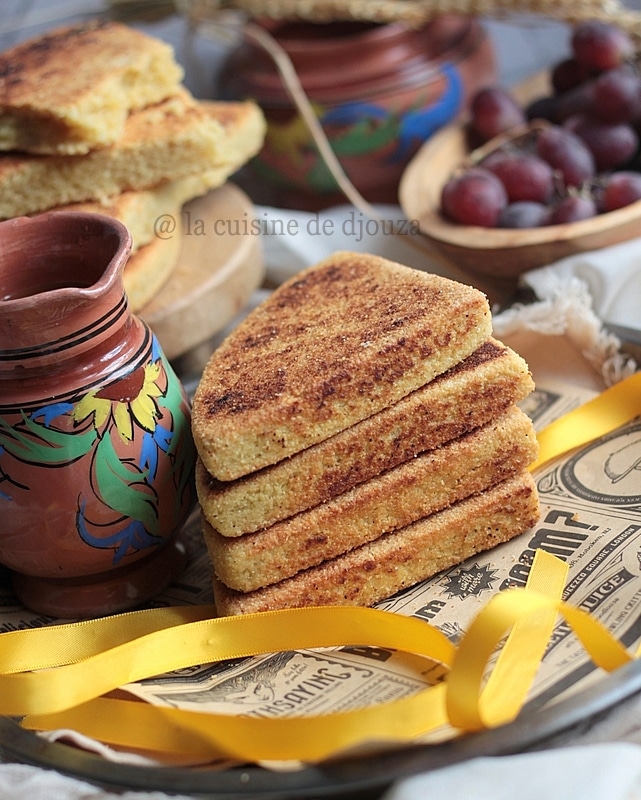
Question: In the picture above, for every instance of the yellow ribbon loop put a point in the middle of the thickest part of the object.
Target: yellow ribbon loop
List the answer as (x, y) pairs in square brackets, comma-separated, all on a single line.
[(469, 706), (54, 703), (612, 408)]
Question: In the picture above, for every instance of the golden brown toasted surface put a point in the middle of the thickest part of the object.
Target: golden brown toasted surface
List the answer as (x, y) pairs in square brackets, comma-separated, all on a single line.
[(173, 140), (398, 560), (137, 210), (70, 90), (468, 395), (244, 127), (242, 135), (330, 347), (419, 487), (151, 266)]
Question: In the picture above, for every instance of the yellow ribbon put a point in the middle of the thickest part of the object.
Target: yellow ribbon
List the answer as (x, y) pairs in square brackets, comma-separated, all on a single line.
[(606, 412), (468, 707), (57, 677), (67, 692)]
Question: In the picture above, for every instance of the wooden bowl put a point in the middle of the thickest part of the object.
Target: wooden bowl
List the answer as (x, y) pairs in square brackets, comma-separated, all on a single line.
[(498, 252)]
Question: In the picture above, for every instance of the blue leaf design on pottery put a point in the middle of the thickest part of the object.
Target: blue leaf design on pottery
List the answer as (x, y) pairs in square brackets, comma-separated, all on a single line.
[(52, 412), (417, 126), (131, 537)]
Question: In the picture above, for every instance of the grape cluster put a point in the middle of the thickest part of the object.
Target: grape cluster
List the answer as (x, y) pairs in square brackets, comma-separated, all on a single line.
[(580, 156)]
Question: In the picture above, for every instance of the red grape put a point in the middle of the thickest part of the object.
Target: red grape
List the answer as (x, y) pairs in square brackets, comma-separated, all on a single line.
[(600, 45), (568, 74), (475, 197), (575, 101), (524, 176), (524, 214), (542, 108), (620, 189), (494, 111), (557, 108), (611, 145), (578, 161), (567, 153), (572, 209), (617, 95)]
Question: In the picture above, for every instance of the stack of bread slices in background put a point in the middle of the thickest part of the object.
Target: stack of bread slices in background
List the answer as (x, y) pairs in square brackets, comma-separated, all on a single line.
[(356, 434), (95, 117)]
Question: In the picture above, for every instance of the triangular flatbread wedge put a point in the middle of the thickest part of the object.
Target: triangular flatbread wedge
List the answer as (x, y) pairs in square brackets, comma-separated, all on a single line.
[(330, 347), (484, 384), (393, 562)]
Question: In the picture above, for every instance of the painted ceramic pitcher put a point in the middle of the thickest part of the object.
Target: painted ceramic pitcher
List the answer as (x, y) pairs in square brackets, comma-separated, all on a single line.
[(96, 455)]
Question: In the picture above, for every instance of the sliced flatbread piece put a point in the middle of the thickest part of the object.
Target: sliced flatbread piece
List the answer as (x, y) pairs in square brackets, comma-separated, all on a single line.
[(328, 348), (244, 128), (377, 570), (465, 397), (411, 491), (71, 90), (151, 266), (143, 210), (166, 142)]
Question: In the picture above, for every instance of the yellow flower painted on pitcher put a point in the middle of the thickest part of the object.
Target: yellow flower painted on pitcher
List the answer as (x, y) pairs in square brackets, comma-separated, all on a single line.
[(135, 404), (292, 139)]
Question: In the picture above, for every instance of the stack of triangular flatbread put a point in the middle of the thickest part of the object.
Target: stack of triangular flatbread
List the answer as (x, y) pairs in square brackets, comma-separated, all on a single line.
[(95, 117), (357, 433)]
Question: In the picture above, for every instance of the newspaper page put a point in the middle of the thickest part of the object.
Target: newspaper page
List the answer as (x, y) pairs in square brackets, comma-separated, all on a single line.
[(591, 518)]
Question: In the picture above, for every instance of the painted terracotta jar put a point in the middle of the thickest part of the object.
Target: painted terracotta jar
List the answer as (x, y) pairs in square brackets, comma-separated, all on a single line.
[(379, 92), (96, 454)]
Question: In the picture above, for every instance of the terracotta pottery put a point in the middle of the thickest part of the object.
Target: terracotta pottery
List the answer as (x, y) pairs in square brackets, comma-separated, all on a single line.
[(379, 92), (96, 454)]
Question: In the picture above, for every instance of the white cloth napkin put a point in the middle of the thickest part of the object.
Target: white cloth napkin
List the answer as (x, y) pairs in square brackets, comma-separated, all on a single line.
[(293, 240), (612, 277), (580, 297), (592, 772), (24, 782)]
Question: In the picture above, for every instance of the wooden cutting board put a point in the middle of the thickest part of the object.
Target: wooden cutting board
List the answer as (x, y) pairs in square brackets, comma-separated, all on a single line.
[(220, 265)]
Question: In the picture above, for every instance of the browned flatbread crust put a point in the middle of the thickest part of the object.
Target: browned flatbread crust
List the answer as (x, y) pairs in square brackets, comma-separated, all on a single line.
[(150, 267), (329, 348), (413, 490), (71, 90), (379, 569), (140, 210), (467, 396), (166, 142), (244, 127)]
